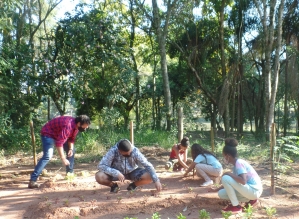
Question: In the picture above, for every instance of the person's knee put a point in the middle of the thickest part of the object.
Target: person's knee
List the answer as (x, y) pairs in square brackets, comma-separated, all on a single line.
[(100, 177), (225, 179), (146, 178)]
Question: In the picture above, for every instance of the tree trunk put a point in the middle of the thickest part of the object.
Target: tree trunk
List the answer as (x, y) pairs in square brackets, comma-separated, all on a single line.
[(276, 66), (162, 32)]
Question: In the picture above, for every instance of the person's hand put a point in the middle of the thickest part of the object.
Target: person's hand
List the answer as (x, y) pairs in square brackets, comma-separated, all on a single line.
[(121, 177), (70, 153), (158, 186), (65, 162)]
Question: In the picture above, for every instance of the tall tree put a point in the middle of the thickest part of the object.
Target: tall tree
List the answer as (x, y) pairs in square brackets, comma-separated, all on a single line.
[(270, 14)]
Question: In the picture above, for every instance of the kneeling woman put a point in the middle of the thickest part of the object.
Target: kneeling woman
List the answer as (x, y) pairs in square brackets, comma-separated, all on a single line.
[(205, 163), (243, 184)]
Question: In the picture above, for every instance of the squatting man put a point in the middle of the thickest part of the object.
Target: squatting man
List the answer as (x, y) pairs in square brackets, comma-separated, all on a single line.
[(121, 163)]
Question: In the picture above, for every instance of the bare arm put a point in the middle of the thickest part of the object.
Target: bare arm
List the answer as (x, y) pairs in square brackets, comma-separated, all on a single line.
[(62, 157), (179, 156), (191, 167), (242, 178), (71, 149)]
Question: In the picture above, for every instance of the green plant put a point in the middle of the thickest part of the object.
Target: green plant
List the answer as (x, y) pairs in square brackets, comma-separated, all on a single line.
[(248, 212), (156, 215), (286, 149), (227, 214), (70, 177), (271, 212), (66, 203), (181, 216), (203, 214), (119, 199), (76, 217), (130, 218), (85, 173)]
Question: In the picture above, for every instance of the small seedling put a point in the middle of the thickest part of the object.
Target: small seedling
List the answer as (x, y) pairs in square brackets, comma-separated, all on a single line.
[(227, 214), (164, 186), (85, 173), (119, 199), (156, 216), (271, 212), (203, 214), (66, 203), (93, 201), (248, 212), (70, 177), (49, 204), (81, 198), (46, 198), (130, 218), (181, 216), (76, 217), (190, 189)]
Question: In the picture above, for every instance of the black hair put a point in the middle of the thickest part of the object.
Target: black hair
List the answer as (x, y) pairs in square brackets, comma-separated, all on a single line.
[(185, 142), (196, 150), (124, 145), (230, 145), (83, 119)]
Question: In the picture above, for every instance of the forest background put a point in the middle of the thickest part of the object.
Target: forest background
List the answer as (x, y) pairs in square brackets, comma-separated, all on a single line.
[(231, 65)]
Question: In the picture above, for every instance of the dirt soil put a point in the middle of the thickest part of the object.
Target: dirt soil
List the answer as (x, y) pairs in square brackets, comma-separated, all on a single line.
[(84, 198)]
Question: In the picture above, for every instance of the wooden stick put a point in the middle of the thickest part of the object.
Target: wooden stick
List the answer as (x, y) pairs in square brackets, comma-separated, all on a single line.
[(272, 144)]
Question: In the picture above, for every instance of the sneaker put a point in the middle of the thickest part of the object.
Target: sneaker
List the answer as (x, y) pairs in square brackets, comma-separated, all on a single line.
[(207, 183), (251, 202), (131, 187), (232, 209), (33, 185), (114, 188), (168, 165)]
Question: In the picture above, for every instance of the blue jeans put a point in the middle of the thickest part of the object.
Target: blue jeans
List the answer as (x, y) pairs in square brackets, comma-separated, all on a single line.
[(48, 149), (70, 168)]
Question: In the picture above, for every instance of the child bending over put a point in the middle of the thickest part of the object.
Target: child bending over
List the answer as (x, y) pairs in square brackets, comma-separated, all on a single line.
[(205, 163), (178, 156)]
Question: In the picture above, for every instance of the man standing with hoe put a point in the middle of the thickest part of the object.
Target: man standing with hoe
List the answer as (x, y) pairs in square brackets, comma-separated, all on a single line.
[(55, 133)]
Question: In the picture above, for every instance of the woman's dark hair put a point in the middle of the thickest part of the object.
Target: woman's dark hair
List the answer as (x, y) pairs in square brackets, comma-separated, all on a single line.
[(230, 145), (185, 142), (196, 150), (83, 119)]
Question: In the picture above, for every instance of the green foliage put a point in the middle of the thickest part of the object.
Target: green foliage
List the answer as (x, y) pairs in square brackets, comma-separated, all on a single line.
[(286, 150), (156, 215), (271, 212), (227, 214), (14, 139), (203, 214), (70, 177), (130, 218), (180, 216), (248, 212)]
